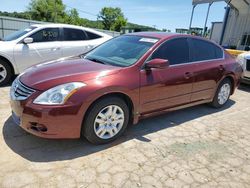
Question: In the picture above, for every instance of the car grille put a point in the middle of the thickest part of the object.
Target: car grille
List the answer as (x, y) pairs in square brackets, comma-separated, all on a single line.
[(248, 65), (19, 91)]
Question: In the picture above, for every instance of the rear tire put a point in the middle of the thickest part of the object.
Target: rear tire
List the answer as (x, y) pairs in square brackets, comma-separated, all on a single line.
[(222, 94), (106, 120), (6, 73)]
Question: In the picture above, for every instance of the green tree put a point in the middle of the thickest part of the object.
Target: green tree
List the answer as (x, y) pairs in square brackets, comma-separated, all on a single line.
[(24, 15), (47, 10), (112, 18), (166, 30), (73, 17)]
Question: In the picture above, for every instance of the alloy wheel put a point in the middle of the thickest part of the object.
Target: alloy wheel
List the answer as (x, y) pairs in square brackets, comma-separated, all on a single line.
[(224, 93), (3, 73), (109, 122)]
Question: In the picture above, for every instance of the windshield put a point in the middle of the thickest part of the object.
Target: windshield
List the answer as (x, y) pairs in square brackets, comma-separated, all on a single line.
[(122, 51), (18, 34)]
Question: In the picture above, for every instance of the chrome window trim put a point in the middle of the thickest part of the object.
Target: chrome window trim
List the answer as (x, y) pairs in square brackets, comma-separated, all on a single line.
[(187, 63), (197, 62)]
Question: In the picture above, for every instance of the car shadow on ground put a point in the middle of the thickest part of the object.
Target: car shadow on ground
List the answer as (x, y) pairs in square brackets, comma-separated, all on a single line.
[(244, 87), (37, 149)]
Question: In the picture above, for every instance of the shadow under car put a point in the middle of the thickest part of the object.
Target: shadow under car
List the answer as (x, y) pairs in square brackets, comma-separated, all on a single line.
[(38, 149)]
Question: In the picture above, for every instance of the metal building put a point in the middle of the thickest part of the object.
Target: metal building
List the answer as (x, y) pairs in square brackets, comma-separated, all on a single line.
[(8, 25), (216, 30), (235, 31)]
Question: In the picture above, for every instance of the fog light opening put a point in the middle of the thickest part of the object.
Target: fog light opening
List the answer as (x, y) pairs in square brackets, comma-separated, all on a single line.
[(38, 127)]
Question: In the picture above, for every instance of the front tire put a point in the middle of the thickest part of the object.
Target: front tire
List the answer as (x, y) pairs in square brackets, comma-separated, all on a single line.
[(106, 120), (222, 94), (5, 73)]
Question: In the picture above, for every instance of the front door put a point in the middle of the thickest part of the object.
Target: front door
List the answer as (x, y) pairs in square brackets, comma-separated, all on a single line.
[(46, 46), (168, 87)]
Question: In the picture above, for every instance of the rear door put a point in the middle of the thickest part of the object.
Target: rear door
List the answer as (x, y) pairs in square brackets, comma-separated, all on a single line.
[(78, 41), (46, 46), (208, 68), (169, 87)]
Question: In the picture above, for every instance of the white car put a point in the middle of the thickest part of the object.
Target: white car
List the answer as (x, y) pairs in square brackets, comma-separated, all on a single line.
[(44, 42), (244, 60)]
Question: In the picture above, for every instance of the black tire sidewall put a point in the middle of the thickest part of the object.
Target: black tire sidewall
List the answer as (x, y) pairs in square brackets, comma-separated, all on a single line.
[(9, 73), (88, 124), (215, 102)]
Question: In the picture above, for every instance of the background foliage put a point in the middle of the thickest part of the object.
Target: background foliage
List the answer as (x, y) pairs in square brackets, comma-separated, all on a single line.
[(109, 18)]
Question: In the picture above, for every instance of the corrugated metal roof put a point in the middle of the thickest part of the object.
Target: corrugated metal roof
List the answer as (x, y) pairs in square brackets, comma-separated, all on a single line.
[(241, 5), (196, 2)]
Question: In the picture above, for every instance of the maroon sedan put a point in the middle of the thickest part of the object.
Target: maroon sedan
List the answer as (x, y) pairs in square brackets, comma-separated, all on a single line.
[(123, 80)]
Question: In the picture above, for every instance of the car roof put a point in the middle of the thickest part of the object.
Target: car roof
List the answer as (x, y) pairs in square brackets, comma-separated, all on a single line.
[(159, 35), (165, 35), (55, 25), (42, 25)]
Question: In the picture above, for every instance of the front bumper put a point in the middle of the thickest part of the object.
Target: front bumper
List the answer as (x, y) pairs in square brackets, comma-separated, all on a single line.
[(55, 122)]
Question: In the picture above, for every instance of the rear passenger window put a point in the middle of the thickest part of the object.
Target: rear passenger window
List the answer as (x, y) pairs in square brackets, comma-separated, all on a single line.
[(219, 52), (203, 50), (74, 34), (92, 36), (175, 50)]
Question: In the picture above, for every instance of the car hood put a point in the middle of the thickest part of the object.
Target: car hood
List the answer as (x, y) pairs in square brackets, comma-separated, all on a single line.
[(74, 69), (6, 44)]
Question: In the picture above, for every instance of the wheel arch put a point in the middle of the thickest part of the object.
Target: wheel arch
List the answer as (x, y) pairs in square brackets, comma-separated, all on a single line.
[(118, 94), (232, 80), (8, 61)]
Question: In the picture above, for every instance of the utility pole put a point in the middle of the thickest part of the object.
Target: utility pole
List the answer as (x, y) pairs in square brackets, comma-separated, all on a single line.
[(55, 13), (205, 26), (191, 19), (247, 34)]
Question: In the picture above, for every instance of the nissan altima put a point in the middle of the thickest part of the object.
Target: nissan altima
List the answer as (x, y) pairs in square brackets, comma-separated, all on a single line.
[(96, 95)]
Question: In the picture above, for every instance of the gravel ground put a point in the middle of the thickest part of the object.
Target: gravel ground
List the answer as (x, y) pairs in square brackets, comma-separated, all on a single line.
[(195, 147)]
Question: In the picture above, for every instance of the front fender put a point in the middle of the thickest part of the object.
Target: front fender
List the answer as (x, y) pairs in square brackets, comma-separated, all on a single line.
[(11, 61), (132, 95)]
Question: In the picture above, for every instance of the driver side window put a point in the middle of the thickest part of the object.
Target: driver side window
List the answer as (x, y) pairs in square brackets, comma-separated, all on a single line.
[(46, 35), (175, 50)]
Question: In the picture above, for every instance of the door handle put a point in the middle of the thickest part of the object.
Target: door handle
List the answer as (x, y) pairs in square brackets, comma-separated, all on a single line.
[(54, 49), (89, 46), (221, 68), (188, 75)]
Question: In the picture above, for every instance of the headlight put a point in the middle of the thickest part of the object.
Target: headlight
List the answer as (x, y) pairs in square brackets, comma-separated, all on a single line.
[(58, 94)]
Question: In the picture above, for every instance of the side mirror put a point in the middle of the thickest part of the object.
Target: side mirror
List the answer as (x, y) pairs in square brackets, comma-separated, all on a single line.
[(157, 63), (28, 40)]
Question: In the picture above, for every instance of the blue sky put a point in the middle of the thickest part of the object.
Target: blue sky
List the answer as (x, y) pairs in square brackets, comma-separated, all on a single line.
[(168, 14)]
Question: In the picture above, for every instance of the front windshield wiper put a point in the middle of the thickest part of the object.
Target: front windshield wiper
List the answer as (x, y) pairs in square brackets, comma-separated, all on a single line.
[(95, 60)]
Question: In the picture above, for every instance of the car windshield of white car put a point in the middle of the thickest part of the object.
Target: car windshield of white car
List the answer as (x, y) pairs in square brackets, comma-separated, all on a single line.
[(122, 51), (18, 34)]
